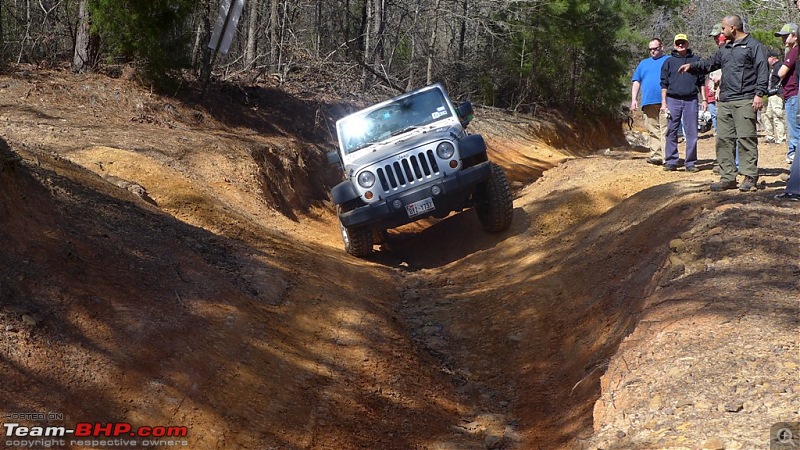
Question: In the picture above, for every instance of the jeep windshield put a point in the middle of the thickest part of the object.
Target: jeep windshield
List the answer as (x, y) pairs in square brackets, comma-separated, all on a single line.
[(400, 116)]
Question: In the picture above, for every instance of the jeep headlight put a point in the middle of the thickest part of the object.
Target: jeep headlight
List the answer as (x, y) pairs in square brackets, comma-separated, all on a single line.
[(366, 179), (445, 150)]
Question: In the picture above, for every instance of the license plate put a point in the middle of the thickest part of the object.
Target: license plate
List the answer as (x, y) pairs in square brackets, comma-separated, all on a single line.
[(422, 206)]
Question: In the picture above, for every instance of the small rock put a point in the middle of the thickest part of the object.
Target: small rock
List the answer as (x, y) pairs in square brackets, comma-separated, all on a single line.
[(493, 441), (713, 443), (655, 403), (677, 245), (734, 406), (28, 320), (515, 337)]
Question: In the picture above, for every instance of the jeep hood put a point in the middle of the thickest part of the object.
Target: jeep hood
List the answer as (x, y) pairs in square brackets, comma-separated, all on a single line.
[(400, 144)]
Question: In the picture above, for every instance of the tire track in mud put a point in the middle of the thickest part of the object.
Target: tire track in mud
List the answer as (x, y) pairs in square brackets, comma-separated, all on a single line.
[(524, 322)]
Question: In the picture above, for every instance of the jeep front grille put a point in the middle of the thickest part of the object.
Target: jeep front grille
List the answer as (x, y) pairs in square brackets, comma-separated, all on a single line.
[(409, 170)]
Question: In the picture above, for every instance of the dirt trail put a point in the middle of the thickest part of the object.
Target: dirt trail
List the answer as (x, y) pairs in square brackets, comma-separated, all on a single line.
[(176, 263)]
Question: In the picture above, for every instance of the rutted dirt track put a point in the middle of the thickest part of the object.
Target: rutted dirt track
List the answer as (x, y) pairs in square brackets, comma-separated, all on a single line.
[(170, 262)]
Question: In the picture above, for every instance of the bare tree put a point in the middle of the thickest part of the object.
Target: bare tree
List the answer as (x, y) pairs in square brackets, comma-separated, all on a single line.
[(253, 6), (80, 60)]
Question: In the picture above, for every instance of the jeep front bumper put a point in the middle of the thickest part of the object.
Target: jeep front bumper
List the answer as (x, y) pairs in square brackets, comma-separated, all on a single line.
[(453, 191)]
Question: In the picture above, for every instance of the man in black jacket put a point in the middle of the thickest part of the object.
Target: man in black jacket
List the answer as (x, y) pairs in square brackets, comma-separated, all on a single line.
[(745, 75), (679, 98)]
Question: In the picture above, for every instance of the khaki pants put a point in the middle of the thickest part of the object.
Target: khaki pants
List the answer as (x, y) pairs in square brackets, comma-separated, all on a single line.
[(656, 123), (774, 125)]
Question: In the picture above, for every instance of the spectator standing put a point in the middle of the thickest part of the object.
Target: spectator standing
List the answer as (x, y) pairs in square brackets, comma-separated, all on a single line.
[(788, 35), (679, 101), (792, 190), (745, 74), (647, 80), (773, 115)]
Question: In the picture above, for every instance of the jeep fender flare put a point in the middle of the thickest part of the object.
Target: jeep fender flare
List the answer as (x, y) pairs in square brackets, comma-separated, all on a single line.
[(343, 193), (472, 146)]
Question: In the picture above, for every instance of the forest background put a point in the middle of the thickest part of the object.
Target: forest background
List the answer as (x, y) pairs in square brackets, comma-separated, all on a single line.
[(571, 55)]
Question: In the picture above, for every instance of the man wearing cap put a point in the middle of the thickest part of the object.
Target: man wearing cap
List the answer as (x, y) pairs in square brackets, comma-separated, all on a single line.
[(788, 35), (647, 78), (679, 99), (774, 118), (745, 75)]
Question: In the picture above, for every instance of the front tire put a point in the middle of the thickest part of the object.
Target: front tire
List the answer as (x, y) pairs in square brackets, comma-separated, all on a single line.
[(494, 203), (358, 241)]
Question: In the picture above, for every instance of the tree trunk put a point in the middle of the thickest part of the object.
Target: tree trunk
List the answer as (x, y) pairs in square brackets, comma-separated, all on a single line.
[(379, 16), (411, 60), (366, 20), (319, 31), (463, 33), (81, 56), (252, 33), (204, 35), (432, 42), (273, 35), (2, 39)]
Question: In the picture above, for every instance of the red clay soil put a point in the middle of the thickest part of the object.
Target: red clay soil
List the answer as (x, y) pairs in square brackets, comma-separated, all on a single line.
[(176, 262)]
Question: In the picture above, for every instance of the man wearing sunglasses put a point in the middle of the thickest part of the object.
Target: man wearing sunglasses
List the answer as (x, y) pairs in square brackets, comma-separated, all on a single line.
[(679, 93), (647, 79)]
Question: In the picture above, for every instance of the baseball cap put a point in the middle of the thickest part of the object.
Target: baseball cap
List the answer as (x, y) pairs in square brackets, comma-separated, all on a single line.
[(716, 31), (789, 28), (680, 37)]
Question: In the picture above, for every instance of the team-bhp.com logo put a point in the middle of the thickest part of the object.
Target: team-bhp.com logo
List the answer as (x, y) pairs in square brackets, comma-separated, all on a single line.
[(94, 434)]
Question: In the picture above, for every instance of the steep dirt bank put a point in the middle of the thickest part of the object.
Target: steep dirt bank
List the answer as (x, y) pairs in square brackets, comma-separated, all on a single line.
[(174, 263)]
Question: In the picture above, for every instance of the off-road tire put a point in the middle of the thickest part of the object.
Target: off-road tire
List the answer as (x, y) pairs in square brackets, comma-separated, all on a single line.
[(357, 241), (494, 202)]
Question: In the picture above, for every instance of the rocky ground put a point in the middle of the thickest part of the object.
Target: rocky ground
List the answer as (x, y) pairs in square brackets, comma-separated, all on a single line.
[(175, 261)]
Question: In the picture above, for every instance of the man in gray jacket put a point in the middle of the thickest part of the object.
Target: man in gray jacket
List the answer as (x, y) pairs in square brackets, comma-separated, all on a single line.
[(745, 77)]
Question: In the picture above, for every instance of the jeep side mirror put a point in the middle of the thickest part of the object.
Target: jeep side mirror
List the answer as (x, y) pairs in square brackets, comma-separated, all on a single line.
[(333, 158), (465, 113)]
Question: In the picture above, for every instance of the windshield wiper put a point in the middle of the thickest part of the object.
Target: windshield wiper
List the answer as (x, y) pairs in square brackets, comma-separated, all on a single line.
[(404, 130)]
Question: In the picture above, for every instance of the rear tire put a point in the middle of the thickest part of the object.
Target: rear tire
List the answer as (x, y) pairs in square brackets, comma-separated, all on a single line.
[(358, 241), (494, 203)]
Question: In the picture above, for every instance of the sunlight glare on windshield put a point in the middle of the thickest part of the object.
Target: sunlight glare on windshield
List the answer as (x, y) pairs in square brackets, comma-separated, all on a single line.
[(356, 127)]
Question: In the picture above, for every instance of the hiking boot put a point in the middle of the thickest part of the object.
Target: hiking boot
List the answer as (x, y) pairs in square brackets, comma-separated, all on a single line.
[(670, 168), (788, 196), (692, 169), (722, 185), (654, 161), (715, 170), (748, 184)]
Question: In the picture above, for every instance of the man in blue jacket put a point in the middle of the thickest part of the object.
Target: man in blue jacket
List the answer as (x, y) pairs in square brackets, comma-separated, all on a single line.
[(679, 93)]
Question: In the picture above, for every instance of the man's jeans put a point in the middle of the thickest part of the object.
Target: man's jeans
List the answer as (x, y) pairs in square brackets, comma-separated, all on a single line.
[(687, 111), (793, 129), (712, 108), (793, 185)]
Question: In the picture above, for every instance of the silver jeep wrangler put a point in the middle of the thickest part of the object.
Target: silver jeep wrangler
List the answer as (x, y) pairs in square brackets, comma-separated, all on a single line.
[(408, 158)]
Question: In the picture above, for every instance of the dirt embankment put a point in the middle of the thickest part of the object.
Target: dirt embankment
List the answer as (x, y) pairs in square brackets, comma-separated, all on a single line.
[(174, 262)]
